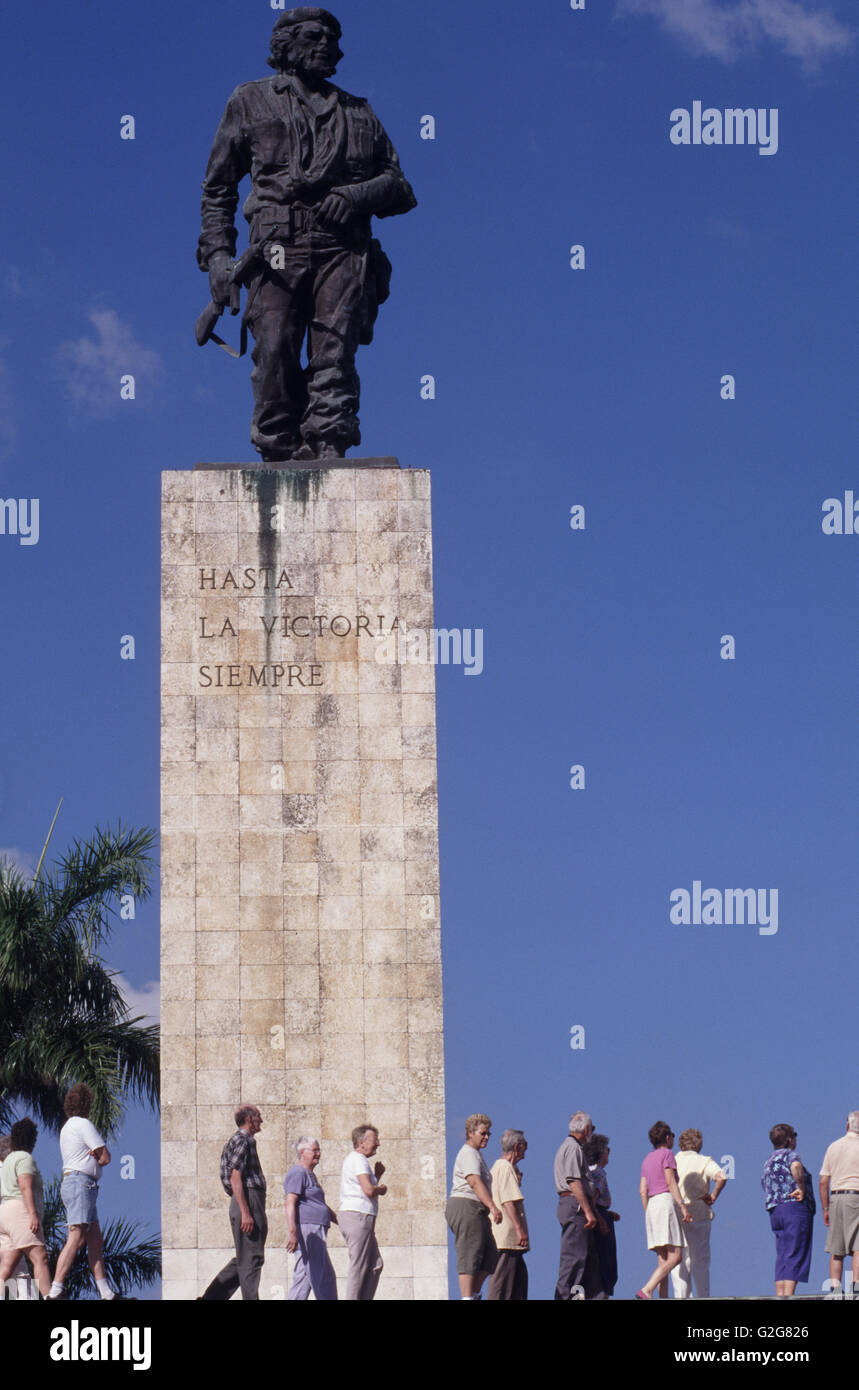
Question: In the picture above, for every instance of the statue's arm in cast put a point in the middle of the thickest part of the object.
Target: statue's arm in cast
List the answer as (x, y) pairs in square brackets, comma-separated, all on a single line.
[(388, 193)]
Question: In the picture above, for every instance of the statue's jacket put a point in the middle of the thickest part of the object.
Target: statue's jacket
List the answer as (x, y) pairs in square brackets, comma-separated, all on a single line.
[(296, 154)]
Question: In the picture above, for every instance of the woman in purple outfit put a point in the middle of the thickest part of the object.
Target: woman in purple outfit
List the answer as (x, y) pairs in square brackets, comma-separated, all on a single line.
[(660, 1197), (790, 1203), (308, 1217)]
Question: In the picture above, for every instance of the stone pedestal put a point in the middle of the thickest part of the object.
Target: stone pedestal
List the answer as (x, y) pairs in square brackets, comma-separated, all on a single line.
[(299, 879)]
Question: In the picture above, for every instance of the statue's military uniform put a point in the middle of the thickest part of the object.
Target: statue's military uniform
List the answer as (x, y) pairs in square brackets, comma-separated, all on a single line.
[(313, 280)]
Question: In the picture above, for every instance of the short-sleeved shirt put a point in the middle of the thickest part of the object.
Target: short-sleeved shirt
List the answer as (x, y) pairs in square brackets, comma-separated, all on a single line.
[(653, 1170), (77, 1137), (240, 1153), (352, 1195), (695, 1172), (506, 1181), (570, 1165), (841, 1163), (599, 1182), (16, 1165), (469, 1162), (777, 1181), (312, 1209)]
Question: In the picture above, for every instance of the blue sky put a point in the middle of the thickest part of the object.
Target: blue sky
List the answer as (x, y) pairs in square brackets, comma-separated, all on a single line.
[(553, 387)]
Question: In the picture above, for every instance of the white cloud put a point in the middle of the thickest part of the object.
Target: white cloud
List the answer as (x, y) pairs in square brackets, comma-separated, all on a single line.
[(92, 367), (728, 30), (19, 860), (144, 1003)]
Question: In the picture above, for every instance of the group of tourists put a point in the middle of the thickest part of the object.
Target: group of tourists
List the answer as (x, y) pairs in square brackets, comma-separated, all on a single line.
[(486, 1211), (22, 1200), (308, 1216), (678, 1203)]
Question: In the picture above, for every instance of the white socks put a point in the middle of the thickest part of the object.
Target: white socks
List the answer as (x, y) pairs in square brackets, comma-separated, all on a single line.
[(102, 1285)]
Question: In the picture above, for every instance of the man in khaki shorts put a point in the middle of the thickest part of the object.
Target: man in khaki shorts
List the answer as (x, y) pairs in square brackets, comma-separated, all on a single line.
[(839, 1197)]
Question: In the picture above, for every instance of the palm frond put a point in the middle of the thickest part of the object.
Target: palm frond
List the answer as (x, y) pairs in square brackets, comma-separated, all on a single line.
[(82, 888), (130, 1259), (63, 1017), (119, 1061)]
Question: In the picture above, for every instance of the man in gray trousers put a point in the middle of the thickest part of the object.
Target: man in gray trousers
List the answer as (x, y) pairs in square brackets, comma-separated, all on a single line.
[(579, 1273), (244, 1183)]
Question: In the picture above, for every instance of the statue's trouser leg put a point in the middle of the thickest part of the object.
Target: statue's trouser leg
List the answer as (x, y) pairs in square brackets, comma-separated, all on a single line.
[(333, 390), (278, 317)]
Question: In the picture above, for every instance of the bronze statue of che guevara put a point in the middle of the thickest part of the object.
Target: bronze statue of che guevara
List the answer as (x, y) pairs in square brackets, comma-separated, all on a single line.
[(321, 167)]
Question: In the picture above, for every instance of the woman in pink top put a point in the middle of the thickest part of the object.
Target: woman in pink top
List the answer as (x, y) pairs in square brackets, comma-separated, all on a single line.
[(660, 1197)]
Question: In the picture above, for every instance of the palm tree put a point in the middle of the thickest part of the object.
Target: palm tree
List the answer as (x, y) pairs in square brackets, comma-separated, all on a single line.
[(62, 1015), (130, 1259)]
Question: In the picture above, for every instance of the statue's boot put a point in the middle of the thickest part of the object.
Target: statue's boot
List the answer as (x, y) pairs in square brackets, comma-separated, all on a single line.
[(280, 452), (313, 448)]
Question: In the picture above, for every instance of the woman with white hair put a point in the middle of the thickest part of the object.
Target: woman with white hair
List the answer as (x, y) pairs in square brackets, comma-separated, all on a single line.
[(308, 1217)]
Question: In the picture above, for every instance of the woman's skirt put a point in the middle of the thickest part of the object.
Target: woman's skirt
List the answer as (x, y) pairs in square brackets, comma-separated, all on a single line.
[(662, 1222), (793, 1226)]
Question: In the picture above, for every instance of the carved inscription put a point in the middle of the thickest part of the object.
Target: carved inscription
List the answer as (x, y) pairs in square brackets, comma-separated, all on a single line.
[(288, 625)]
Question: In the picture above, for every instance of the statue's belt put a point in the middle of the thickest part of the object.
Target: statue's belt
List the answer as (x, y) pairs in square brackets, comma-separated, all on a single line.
[(294, 218)]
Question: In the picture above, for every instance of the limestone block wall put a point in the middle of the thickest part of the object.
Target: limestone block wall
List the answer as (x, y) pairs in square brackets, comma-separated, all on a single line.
[(301, 966)]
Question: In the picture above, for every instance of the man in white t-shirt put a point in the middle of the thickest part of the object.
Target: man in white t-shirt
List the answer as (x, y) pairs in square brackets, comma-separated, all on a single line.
[(695, 1172), (360, 1190), (84, 1154)]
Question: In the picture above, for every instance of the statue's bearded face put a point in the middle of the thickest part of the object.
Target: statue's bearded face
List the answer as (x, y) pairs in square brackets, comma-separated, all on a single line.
[(313, 50)]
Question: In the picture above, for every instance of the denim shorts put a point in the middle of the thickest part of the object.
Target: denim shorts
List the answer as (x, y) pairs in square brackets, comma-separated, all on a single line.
[(78, 1193)]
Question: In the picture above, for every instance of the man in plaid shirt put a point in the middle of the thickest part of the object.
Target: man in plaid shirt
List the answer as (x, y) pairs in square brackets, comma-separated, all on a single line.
[(243, 1181)]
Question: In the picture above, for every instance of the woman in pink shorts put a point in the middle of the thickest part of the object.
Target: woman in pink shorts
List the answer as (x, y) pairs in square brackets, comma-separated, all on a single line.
[(22, 1207)]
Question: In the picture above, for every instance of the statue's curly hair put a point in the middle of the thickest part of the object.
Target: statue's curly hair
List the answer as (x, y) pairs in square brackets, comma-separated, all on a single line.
[(281, 39)]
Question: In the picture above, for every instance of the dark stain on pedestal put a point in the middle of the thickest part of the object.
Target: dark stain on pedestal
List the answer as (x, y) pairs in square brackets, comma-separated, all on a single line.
[(270, 488)]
